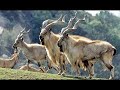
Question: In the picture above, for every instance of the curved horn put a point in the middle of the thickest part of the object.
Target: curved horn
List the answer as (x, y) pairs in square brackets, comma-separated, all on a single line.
[(26, 32), (46, 22), (74, 27), (22, 33), (63, 19), (60, 18), (58, 21), (70, 23), (77, 23)]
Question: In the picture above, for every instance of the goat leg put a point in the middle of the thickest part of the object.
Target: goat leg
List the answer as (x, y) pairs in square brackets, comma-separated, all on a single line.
[(39, 64)]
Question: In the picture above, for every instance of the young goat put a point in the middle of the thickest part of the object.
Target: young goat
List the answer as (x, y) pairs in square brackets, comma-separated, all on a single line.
[(9, 63)]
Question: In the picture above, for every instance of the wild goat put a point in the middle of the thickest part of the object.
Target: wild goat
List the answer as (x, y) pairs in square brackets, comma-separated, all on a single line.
[(49, 39), (9, 63), (84, 50), (32, 52), (30, 68)]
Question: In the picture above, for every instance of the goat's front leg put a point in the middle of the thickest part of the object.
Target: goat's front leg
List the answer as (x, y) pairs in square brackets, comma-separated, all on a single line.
[(29, 61), (64, 69), (78, 65), (76, 68), (60, 67), (12, 67), (90, 69), (39, 64)]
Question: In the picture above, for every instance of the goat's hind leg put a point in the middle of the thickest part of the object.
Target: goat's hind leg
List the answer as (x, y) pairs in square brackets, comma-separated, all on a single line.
[(107, 60), (76, 67), (90, 69)]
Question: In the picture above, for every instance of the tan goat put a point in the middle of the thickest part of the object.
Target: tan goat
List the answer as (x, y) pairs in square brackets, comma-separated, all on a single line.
[(32, 52), (30, 68), (9, 63), (49, 39), (84, 50)]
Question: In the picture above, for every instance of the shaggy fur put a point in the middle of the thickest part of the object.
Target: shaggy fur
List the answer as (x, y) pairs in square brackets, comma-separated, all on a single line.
[(49, 39), (83, 49)]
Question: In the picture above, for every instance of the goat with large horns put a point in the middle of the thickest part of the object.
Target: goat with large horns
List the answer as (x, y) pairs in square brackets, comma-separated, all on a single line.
[(49, 39), (85, 49)]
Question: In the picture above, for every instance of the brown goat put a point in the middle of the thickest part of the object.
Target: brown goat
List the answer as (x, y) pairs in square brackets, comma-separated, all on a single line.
[(30, 68), (84, 50), (49, 39), (9, 63)]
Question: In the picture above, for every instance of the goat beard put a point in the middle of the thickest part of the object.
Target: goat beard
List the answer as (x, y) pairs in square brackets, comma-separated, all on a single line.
[(61, 48), (42, 41)]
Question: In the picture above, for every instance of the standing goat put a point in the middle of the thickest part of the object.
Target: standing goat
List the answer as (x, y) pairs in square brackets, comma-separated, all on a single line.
[(49, 39), (9, 63), (32, 52), (84, 50)]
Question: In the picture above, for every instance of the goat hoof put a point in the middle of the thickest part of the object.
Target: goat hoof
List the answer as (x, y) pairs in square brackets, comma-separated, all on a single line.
[(59, 73), (90, 77), (63, 74), (111, 78)]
